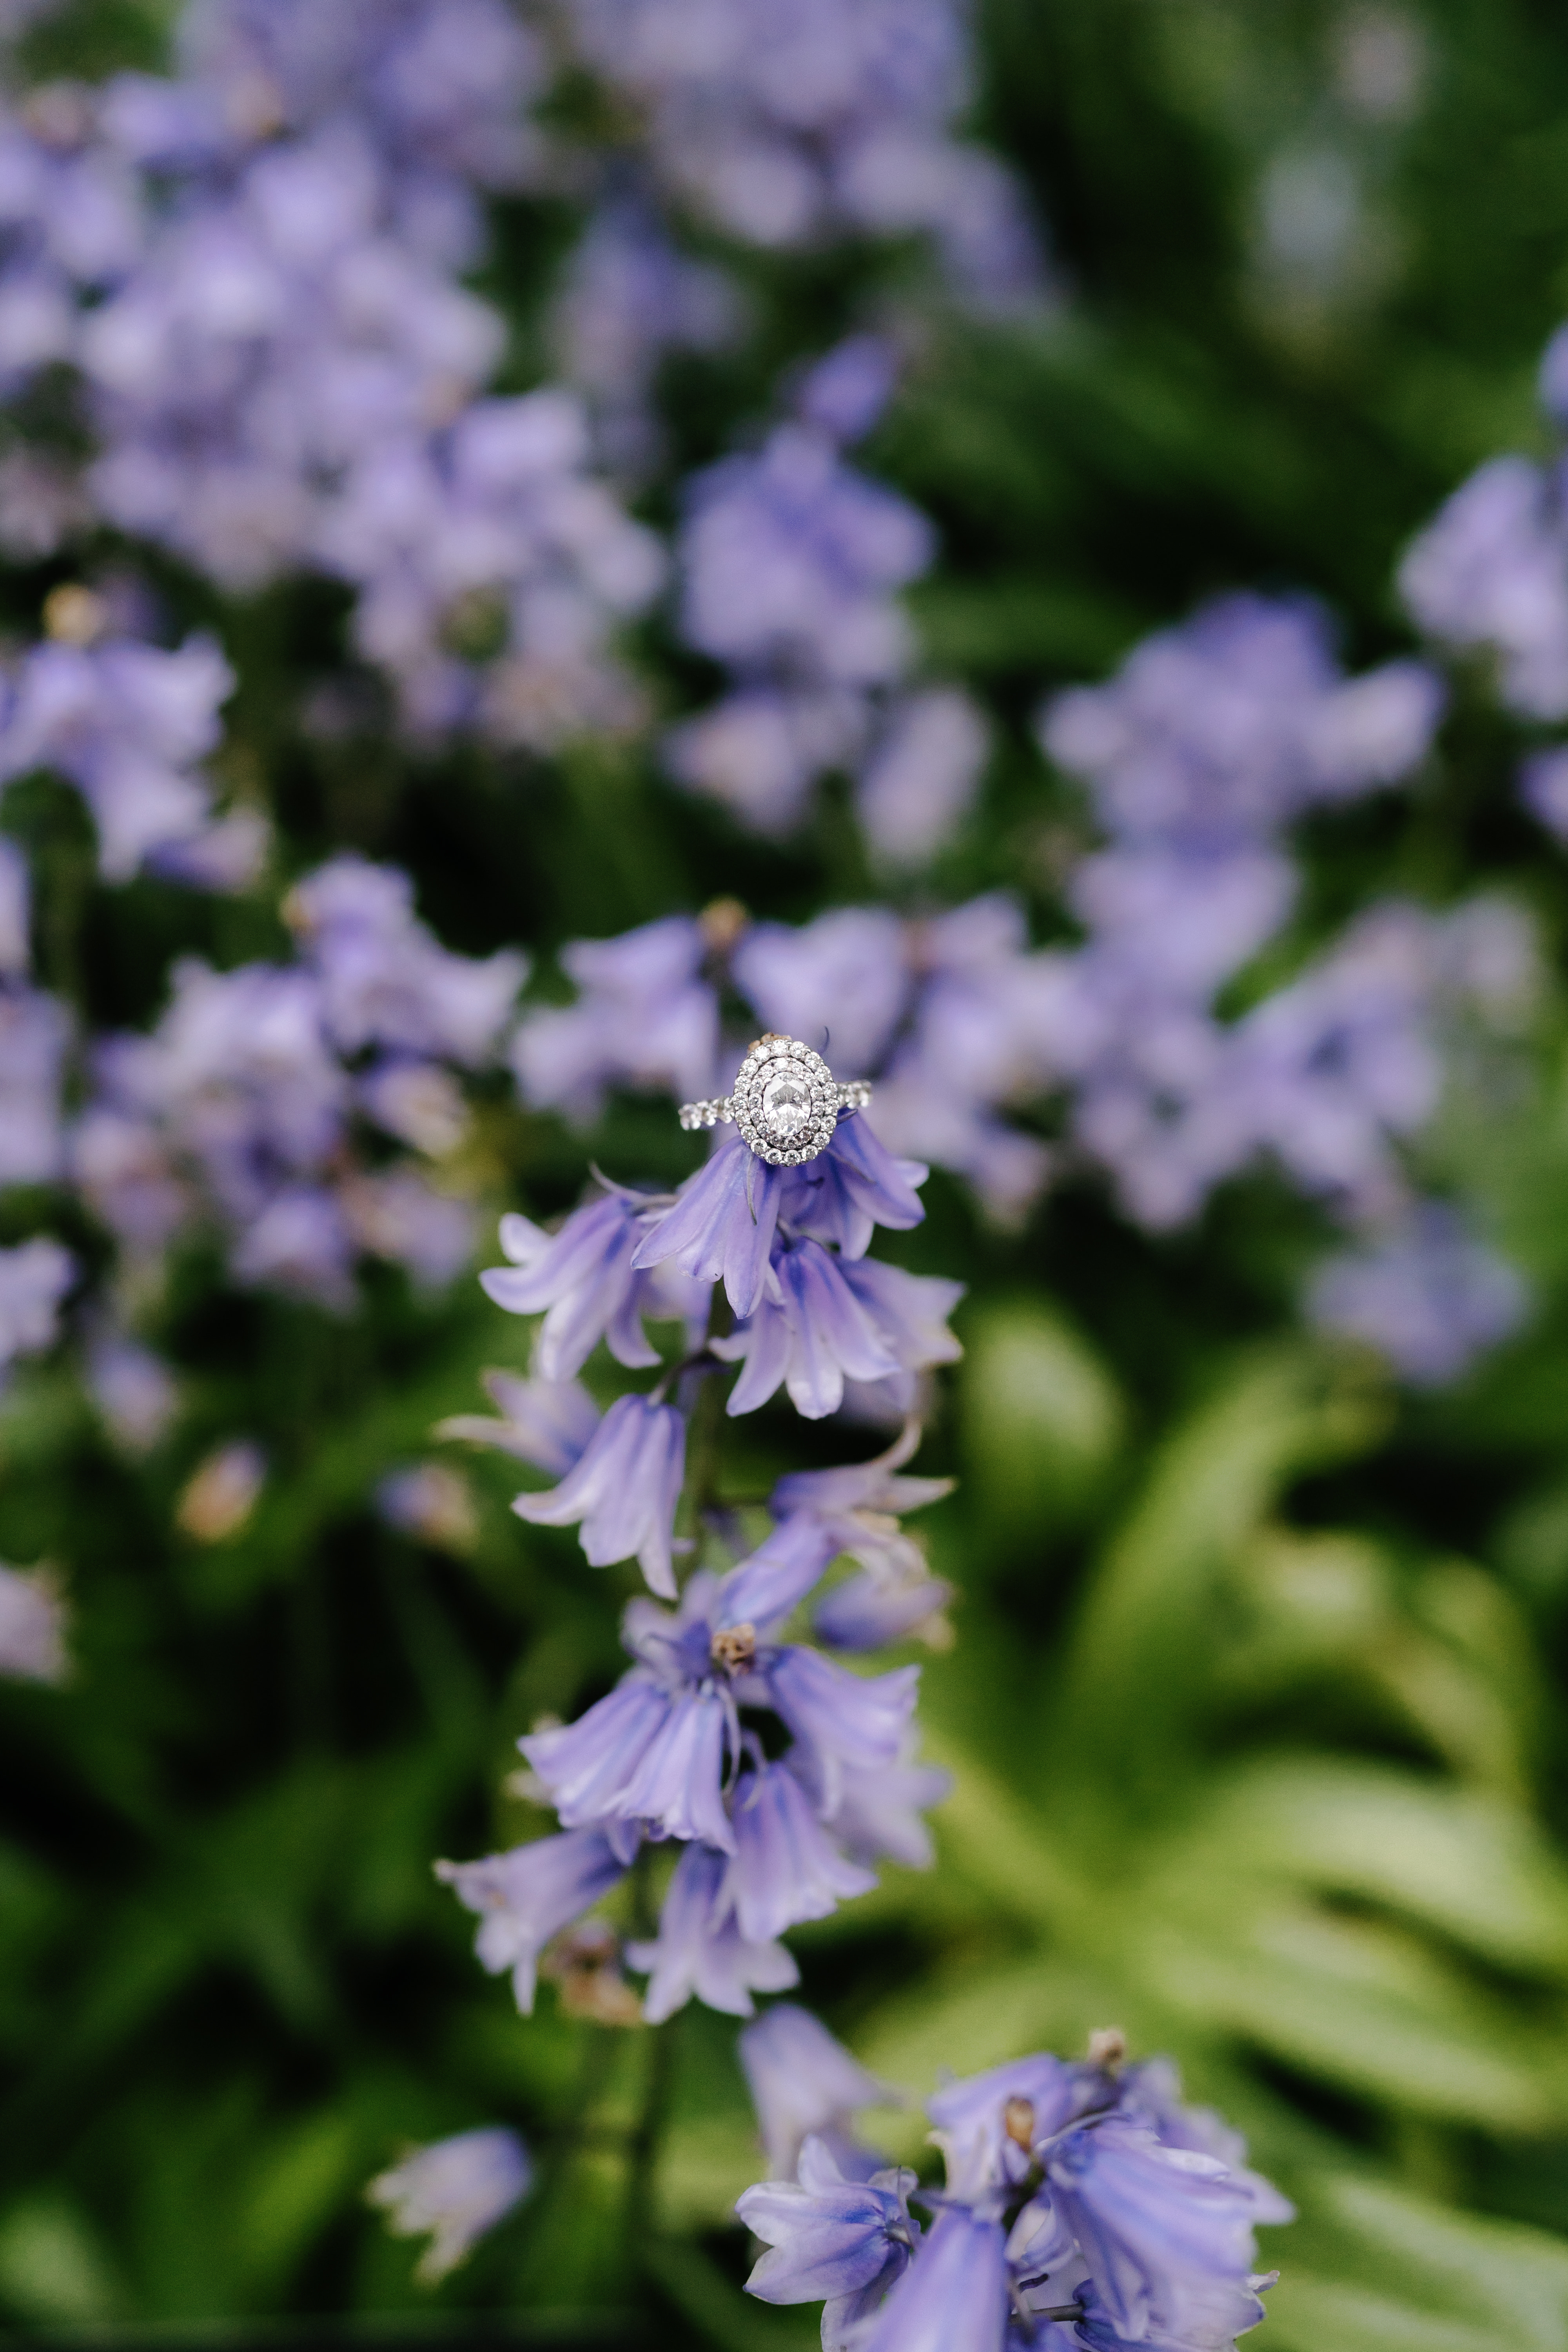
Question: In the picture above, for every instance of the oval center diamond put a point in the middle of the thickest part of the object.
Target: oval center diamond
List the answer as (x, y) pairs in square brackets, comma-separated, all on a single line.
[(786, 1104)]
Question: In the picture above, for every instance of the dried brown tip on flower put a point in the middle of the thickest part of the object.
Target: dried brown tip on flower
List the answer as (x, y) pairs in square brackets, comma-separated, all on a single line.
[(585, 1962), (74, 615), (722, 923), (734, 1648), (1107, 2047), (1018, 2123)]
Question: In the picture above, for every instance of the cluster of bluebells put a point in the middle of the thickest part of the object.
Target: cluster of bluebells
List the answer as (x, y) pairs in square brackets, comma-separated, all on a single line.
[(279, 1104), (254, 269), (128, 723), (791, 561), (832, 118), (1198, 755), (1084, 2207), (779, 1775)]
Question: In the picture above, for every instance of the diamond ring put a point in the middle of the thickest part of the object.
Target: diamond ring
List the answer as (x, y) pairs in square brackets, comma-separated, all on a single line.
[(785, 1101)]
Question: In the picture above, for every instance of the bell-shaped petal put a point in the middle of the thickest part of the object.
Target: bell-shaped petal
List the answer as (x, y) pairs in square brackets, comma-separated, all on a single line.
[(829, 2238), (786, 1867), (762, 1589), (852, 1187), (528, 1895), (547, 1422), (839, 1718), (801, 2082), (877, 1816), (582, 1281), (643, 1755), (954, 2297), (456, 2190), (868, 1611), (721, 1226), (624, 1489), (700, 1948), (1166, 2233), (809, 1330)]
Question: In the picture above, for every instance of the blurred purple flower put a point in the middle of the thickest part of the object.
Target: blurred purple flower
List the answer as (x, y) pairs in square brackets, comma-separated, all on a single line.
[(644, 1017), (623, 1488), (1428, 1294), (1489, 574), (456, 2190), (700, 1949), (32, 1626), (547, 1422), (528, 1895), (34, 1279), (805, 2084), (786, 1867)]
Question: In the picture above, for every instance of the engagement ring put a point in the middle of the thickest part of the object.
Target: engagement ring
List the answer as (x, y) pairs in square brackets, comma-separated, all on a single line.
[(785, 1101)]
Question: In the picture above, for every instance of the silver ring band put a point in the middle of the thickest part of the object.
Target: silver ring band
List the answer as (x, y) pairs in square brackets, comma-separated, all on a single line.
[(785, 1101)]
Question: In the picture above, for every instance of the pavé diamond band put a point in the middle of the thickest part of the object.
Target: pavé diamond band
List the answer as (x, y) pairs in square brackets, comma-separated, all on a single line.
[(785, 1101)]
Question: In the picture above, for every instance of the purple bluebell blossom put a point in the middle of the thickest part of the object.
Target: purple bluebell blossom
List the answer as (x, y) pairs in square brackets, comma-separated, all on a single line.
[(840, 982), (858, 1506), (786, 1866), (455, 2189), (760, 750), (34, 1280), (547, 1422), (386, 982), (1489, 574), (829, 120), (525, 1896), (629, 297), (803, 2084), (32, 1626), (839, 2239), (844, 392), (842, 1722), (1074, 2195), (808, 1330), (722, 1224), (582, 1280), (1428, 1294), (921, 775), (134, 1390), (34, 1033), (644, 1017), (623, 1489), (791, 558), (867, 1612), (128, 724), (700, 1949)]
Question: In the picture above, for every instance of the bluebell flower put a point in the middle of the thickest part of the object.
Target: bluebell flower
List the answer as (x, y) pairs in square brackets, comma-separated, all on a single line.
[(528, 1895), (840, 982), (1426, 1292), (581, 1280), (803, 2084), (954, 2295), (547, 1422), (857, 1506), (1075, 2195), (879, 1809), (843, 1722), (921, 775), (870, 1613), (1487, 573), (643, 1017), (34, 1279), (455, 2189), (852, 1187), (786, 1867), (34, 1033), (623, 1488), (32, 1626), (1166, 2233), (721, 1227), (808, 1330), (844, 2242), (700, 1949)]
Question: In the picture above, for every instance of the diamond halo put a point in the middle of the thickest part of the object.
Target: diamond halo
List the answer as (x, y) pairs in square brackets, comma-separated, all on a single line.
[(785, 1101)]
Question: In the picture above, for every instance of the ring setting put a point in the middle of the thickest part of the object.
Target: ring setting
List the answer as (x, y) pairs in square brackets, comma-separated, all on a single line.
[(785, 1101)]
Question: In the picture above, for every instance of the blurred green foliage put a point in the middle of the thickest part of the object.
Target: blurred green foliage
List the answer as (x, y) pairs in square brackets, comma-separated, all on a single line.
[(1255, 1707)]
